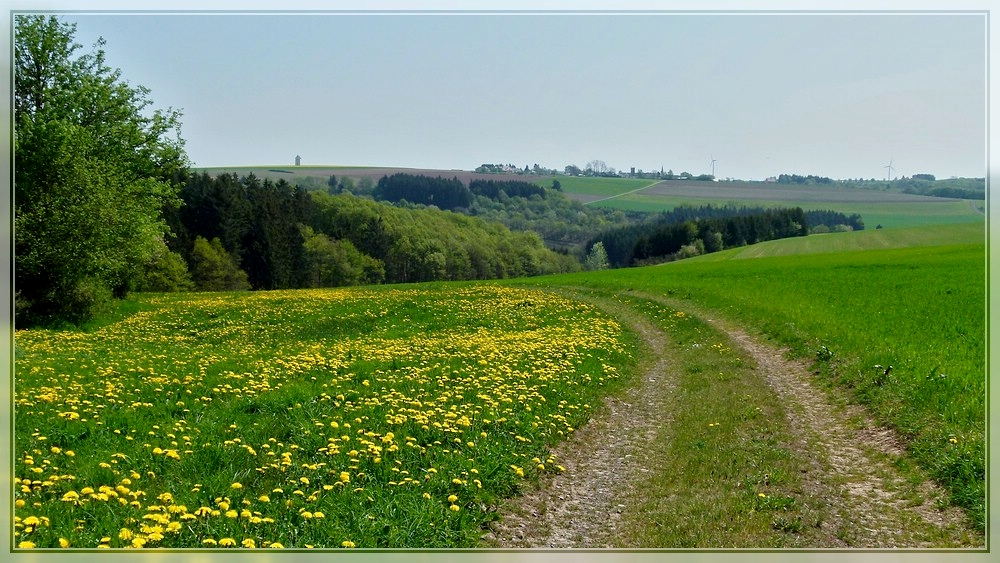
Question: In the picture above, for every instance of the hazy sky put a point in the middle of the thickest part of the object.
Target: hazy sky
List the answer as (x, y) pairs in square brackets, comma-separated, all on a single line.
[(835, 95)]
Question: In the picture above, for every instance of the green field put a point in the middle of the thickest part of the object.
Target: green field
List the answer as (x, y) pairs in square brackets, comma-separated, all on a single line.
[(868, 239), (598, 187), (921, 310)]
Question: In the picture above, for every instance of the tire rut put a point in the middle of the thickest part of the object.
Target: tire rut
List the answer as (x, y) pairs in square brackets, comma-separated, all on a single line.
[(581, 506), (846, 462), (849, 464)]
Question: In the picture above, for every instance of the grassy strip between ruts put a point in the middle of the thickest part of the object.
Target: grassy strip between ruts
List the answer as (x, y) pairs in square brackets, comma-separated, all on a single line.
[(721, 470), (726, 475), (919, 310)]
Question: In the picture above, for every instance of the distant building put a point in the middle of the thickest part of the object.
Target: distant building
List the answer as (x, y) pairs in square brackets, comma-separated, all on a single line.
[(298, 160), (771, 180)]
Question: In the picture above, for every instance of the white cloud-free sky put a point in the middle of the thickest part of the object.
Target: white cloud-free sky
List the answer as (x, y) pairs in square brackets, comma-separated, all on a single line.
[(832, 94)]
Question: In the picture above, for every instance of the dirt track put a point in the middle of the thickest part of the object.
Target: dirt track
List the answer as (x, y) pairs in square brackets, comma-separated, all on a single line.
[(847, 462)]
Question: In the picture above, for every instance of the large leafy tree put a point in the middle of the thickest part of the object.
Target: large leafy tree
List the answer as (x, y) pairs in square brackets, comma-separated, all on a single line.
[(94, 165)]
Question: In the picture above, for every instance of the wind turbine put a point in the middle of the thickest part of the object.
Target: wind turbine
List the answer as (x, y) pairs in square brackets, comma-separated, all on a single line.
[(889, 173), (713, 165)]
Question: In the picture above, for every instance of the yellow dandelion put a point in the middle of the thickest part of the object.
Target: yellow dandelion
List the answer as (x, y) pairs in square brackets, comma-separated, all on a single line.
[(28, 545), (346, 543), (452, 498), (227, 542), (249, 543), (454, 508), (208, 541), (236, 486), (63, 542), (345, 477), (276, 545)]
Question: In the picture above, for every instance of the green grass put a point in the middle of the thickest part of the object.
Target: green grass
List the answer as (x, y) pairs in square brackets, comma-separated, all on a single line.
[(921, 310), (868, 239), (605, 187), (383, 417)]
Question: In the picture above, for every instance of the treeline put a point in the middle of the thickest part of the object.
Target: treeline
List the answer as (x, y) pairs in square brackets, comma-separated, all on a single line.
[(922, 184), (513, 188), (959, 188), (833, 221), (803, 180), (444, 194), (686, 212), (448, 194), (245, 233), (664, 240)]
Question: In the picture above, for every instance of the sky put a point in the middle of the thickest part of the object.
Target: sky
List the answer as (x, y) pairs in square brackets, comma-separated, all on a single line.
[(838, 95)]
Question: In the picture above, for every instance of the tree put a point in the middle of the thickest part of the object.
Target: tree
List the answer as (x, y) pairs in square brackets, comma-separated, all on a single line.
[(597, 258), (166, 272), (213, 269), (334, 263), (573, 170), (93, 168)]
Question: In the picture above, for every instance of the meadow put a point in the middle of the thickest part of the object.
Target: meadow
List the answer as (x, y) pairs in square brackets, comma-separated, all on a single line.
[(403, 416), (323, 418)]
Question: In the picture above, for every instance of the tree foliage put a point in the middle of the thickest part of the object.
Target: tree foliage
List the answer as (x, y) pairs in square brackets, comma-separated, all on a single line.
[(512, 188), (93, 167), (668, 238), (285, 237), (441, 193), (213, 269)]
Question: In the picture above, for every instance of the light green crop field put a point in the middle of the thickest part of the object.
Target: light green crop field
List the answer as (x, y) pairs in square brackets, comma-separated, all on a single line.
[(868, 239), (921, 310), (604, 187)]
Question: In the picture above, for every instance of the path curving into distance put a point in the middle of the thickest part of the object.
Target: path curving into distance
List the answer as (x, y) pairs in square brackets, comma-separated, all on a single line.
[(849, 481)]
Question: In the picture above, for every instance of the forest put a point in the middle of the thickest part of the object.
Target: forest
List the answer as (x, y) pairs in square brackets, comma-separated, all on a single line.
[(282, 236), (665, 239)]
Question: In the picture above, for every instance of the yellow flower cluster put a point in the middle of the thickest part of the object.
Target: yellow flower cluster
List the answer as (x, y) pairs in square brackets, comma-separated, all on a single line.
[(322, 393)]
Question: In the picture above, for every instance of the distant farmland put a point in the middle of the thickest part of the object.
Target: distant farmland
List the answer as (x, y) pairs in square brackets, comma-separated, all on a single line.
[(291, 173), (889, 209)]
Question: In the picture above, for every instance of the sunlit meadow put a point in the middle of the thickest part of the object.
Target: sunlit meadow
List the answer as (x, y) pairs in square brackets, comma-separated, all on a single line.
[(301, 419)]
